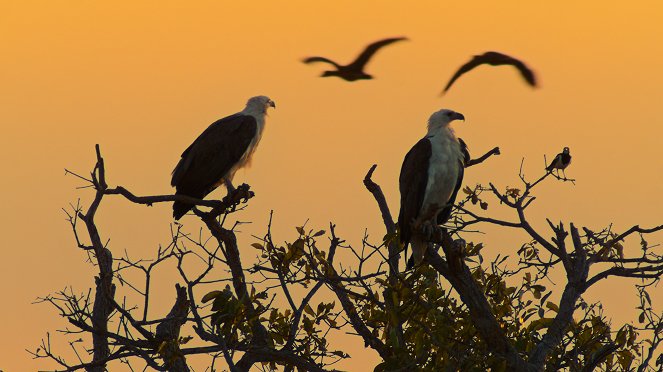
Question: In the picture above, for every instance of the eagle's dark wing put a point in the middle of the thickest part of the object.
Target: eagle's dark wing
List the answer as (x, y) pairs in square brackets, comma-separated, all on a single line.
[(466, 152), (366, 55), (210, 157), (412, 183), (494, 59), (320, 59)]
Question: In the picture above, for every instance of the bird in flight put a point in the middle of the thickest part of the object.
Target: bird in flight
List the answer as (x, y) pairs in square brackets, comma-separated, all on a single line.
[(493, 59), (355, 70), (560, 162), (431, 175), (224, 147)]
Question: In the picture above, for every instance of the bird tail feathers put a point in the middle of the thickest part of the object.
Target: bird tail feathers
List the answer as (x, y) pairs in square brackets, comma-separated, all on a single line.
[(419, 247), (180, 209)]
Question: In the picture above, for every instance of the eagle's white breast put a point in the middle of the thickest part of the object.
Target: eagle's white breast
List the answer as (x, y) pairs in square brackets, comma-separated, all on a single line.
[(245, 160), (443, 171)]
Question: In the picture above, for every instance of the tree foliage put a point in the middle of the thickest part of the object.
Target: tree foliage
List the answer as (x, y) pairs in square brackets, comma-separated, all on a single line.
[(456, 311)]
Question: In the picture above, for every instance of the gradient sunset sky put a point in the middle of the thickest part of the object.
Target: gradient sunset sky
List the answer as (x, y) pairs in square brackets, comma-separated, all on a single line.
[(144, 78)]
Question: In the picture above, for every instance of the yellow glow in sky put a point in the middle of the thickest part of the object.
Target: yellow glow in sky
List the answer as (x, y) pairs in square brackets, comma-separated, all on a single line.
[(144, 78)]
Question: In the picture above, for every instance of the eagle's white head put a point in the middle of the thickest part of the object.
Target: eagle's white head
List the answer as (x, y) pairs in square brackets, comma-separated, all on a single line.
[(441, 119), (258, 105)]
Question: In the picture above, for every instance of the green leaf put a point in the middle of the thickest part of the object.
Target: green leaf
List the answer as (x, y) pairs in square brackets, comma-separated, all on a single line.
[(552, 306), (540, 324), (319, 233), (210, 296), (277, 338), (309, 310), (257, 246), (307, 324), (545, 297), (300, 230), (625, 358), (340, 354), (621, 337)]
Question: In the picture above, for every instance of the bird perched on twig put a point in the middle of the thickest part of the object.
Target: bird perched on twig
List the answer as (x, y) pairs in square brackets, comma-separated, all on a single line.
[(560, 162), (224, 147), (355, 70), (430, 178), (493, 59)]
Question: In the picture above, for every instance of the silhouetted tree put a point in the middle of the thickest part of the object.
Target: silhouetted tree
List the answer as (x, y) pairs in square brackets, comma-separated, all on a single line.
[(454, 312)]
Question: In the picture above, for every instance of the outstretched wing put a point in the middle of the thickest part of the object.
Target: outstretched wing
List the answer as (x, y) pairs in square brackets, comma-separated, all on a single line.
[(467, 67), (494, 59), (412, 183), (371, 49), (211, 156), (320, 59), (525, 72)]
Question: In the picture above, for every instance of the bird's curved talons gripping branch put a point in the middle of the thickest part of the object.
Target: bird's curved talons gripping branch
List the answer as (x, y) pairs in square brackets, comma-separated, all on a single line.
[(229, 203)]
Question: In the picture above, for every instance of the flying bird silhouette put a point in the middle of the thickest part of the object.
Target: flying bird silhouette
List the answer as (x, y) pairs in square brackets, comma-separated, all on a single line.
[(493, 59), (355, 70), (560, 162)]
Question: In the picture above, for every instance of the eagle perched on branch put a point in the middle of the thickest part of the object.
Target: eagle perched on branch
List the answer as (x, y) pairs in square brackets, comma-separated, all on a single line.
[(224, 147), (430, 178)]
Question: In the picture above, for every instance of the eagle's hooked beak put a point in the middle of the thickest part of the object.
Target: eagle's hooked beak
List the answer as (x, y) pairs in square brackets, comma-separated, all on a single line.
[(458, 116), (271, 103)]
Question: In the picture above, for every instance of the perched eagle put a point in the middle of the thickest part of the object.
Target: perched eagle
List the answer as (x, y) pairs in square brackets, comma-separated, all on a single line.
[(430, 178), (214, 157)]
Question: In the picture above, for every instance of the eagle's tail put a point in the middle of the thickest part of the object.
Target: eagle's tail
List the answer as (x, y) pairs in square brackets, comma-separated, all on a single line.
[(180, 209), (419, 247), (410, 263)]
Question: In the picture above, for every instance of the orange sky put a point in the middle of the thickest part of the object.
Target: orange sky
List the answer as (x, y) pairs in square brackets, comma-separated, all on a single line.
[(143, 78)]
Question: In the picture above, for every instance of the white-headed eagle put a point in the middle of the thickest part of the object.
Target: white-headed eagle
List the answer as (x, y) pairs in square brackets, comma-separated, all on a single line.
[(430, 178), (214, 157)]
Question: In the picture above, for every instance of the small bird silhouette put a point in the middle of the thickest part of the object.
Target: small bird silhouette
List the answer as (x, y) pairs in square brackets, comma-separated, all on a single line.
[(355, 70), (560, 162), (493, 59)]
